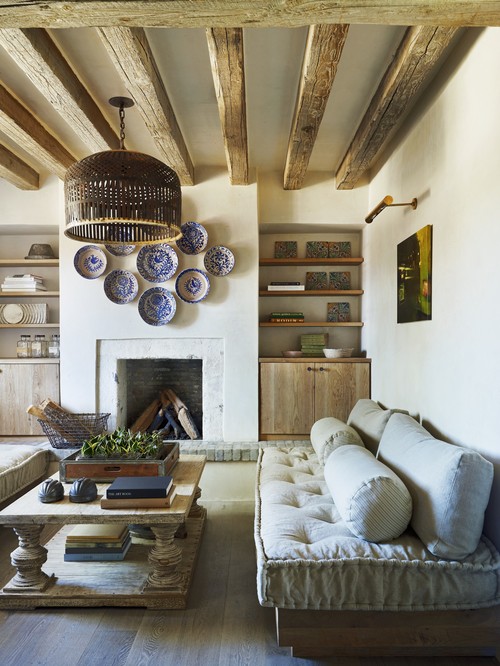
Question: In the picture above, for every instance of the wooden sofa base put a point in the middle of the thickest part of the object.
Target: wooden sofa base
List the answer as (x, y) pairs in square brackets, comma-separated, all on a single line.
[(389, 633)]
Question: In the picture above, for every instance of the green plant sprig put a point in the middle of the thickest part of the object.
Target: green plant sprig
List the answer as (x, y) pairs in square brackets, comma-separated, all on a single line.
[(123, 443)]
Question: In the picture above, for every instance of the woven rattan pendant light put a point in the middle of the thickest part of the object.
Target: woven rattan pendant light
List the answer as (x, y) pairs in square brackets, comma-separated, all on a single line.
[(122, 197)]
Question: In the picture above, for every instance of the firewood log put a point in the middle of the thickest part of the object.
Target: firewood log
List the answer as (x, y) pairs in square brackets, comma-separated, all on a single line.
[(144, 420)]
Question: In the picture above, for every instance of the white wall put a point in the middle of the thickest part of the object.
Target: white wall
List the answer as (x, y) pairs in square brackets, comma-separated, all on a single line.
[(229, 214), (445, 371)]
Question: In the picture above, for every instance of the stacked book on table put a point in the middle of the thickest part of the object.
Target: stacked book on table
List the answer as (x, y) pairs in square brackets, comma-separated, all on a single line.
[(134, 492), (312, 344), (285, 286), (286, 317), (100, 543), (28, 283)]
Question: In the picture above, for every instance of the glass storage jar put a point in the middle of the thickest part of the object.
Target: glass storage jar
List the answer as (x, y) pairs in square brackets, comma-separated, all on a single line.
[(54, 346), (39, 347), (24, 347)]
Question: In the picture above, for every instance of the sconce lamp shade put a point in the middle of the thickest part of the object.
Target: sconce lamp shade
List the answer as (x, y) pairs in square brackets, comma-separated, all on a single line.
[(387, 202), (122, 197)]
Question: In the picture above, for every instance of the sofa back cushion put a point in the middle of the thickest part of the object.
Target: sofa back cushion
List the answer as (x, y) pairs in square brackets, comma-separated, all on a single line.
[(371, 499), (369, 420), (329, 433), (450, 486)]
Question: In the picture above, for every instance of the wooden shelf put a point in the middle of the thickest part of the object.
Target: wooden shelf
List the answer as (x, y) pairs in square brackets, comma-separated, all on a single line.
[(306, 261), (313, 292), (316, 324), (28, 262), (16, 360), (29, 325), (31, 294)]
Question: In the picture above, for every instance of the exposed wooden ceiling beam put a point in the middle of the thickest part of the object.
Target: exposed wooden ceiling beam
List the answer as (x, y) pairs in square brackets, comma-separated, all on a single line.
[(40, 59), (28, 133), (415, 59), (131, 54), (241, 13), (322, 54), (17, 172), (225, 46)]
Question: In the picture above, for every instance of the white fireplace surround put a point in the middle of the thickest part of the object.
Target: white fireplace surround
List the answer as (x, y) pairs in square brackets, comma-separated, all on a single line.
[(111, 389)]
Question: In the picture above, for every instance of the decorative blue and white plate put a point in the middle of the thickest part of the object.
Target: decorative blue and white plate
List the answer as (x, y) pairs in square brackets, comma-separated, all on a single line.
[(194, 238), (120, 250), (157, 306), (219, 260), (157, 263), (121, 286), (192, 285), (90, 261)]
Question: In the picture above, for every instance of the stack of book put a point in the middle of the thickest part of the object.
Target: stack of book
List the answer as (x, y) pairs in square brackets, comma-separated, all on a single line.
[(133, 492), (285, 286), (27, 283), (286, 317), (103, 542), (312, 344)]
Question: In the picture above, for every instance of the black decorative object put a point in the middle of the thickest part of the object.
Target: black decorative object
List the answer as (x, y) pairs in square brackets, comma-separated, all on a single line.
[(51, 490), (83, 490)]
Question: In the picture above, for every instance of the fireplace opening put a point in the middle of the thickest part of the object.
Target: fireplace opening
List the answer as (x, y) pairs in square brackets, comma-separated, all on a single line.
[(147, 378)]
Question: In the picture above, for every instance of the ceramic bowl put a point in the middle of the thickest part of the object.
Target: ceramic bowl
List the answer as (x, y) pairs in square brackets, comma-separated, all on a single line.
[(337, 353), (292, 354)]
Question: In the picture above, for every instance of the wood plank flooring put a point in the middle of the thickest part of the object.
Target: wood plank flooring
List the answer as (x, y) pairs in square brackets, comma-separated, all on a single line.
[(223, 625)]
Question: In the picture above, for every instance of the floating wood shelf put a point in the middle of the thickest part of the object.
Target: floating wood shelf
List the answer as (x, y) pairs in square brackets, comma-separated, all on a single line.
[(28, 262), (313, 292), (311, 323), (307, 261), (29, 325), (30, 294)]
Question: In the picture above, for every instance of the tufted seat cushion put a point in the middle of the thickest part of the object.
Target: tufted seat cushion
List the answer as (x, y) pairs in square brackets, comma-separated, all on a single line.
[(20, 466), (307, 557)]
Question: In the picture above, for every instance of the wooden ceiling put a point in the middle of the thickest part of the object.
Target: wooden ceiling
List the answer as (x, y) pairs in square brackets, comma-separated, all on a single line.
[(36, 38)]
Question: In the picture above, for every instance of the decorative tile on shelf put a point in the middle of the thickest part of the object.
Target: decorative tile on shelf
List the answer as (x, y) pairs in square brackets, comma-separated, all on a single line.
[(317, 249), (338, 312), (316, 280), (285, 249), (338, 249), (340, 280)]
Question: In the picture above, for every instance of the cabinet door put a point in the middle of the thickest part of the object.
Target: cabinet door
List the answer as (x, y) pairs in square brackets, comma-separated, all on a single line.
[(338, 386), (22, 385), (286, 398)]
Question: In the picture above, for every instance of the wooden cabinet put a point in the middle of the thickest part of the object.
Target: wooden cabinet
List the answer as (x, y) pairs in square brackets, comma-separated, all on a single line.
[(295, 394), (23, 383)]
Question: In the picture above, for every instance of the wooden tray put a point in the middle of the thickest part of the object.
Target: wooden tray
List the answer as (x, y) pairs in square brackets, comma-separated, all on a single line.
[(107, 470)]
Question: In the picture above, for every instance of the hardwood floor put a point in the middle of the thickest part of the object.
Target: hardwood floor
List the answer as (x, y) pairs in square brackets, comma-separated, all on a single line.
[(223, 625)]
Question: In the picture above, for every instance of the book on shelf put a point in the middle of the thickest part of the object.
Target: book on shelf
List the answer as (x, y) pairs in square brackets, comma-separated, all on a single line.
[(284, 284), (98, 557), (28, 289), (140, 502), (97, 547), (287, 320), (105, 532), (139, 486), (285, 287), (286, 314)]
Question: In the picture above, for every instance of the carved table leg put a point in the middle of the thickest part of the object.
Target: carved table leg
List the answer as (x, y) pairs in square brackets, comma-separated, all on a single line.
[(28, 559), (197, 511), (164, 558)]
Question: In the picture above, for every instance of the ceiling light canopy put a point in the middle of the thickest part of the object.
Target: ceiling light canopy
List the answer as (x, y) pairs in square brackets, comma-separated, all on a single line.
[(122, 197), (386, 203)]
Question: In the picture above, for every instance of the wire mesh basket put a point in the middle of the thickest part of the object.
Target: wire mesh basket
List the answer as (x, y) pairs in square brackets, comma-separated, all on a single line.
[(70, 431)]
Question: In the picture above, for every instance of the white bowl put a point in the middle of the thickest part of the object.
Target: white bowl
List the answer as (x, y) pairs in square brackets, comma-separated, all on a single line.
[(338, 353)]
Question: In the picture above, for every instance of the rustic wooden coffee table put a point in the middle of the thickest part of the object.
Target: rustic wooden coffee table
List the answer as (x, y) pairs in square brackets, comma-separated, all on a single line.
[(156, 577)]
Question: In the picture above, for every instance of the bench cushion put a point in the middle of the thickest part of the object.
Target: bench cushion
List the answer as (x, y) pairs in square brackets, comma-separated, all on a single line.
[(374, 503), (450, 486), (20, 466), (329, 433)]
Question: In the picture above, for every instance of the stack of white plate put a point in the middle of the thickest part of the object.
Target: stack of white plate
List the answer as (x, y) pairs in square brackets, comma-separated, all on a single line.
[(24, 313)]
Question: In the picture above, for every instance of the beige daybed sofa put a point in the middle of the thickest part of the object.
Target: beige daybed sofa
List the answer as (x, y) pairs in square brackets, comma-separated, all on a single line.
[(21, 466), (365, 555)]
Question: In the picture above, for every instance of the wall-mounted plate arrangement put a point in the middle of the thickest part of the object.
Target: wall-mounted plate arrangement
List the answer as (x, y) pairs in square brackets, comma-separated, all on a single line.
[(219, 260), (194, 238), (121, 286), (157, 306), (120, 250), (192, 285), (157, 263), (90, 262)]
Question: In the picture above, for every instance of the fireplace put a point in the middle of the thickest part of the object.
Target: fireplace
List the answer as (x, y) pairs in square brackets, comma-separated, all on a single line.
[(131, 372)]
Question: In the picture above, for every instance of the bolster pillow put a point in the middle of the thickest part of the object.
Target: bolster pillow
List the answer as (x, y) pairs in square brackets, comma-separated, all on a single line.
[(328, 434), (374, 503), (369, 420)]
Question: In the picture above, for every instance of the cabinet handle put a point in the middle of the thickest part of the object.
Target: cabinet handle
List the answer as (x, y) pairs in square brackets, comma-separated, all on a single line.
[(309, 369), (322, 369)]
